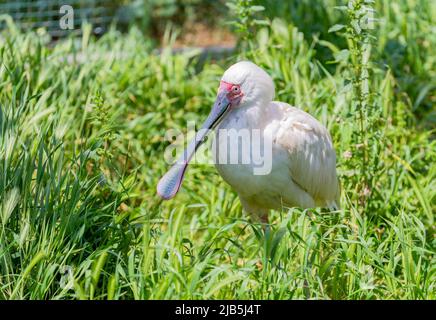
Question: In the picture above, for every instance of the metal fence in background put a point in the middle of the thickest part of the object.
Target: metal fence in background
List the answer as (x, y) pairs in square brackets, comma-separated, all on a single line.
[(33, 14)]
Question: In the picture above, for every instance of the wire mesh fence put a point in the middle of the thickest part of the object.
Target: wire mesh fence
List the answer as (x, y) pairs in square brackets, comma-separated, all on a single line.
[(49, 14)]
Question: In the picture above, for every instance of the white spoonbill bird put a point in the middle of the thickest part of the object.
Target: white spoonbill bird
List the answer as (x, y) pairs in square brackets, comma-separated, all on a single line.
[(303, 161)]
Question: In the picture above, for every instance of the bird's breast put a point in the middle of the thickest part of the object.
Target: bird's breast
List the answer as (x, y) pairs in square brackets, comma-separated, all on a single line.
[(244, 155)]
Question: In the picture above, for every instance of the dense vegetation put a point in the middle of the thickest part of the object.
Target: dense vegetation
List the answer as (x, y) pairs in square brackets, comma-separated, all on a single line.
[(82, 137)]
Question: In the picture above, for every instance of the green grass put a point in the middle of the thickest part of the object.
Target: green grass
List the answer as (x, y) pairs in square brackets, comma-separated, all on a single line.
[(82, 127)]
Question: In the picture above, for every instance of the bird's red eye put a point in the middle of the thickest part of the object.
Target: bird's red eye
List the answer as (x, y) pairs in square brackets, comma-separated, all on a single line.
[(235, 88)]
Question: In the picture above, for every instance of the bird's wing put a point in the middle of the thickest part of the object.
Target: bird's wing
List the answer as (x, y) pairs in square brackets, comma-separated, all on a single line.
[(312, 158)]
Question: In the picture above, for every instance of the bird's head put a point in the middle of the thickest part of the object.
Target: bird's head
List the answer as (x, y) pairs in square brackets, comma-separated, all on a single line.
[(242, 85), (245, 83)]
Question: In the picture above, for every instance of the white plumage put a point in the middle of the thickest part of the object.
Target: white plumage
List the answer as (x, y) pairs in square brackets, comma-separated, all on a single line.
[(303, 168), (304, 162)]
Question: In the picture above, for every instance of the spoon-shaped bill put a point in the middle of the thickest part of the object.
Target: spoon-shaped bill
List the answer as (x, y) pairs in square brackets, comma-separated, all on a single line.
[(170, 183)]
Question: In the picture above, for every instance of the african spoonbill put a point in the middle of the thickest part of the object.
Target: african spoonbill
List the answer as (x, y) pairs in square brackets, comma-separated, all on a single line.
[(303, 160)]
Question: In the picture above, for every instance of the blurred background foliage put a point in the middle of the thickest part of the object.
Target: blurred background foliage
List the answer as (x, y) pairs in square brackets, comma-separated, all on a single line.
[(403, 47), (83, 122)]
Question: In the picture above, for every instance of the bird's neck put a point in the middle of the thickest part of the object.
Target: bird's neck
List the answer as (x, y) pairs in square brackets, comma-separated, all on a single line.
[(253, 114)]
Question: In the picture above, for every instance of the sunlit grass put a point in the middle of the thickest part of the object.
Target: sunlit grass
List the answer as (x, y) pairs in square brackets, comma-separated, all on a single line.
[(82, 129)]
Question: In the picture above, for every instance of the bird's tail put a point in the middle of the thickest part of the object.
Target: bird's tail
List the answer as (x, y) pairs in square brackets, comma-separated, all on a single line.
[(336, 204), (333, 205)]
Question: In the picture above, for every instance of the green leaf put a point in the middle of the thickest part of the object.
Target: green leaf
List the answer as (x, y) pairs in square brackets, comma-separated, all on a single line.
[(342, 55), (257, 8), (346, 88), (261, 22), (342, 8), (356, 26), (231, 6), (336, 28)]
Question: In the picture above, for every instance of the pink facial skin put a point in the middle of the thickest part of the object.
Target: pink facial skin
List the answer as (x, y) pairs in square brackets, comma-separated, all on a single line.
[(234, 92)]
